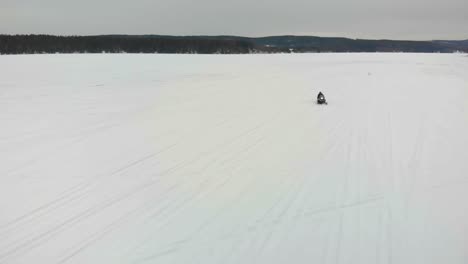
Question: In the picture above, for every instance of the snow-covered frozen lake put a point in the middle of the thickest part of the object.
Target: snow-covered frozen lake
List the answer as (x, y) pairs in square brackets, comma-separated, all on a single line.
[(214, 159)]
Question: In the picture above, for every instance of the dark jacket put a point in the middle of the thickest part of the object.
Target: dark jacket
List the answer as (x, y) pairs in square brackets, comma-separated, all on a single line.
[(320, 95)]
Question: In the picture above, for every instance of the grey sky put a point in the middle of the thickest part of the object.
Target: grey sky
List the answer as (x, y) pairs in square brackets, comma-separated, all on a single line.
[(396, 19)]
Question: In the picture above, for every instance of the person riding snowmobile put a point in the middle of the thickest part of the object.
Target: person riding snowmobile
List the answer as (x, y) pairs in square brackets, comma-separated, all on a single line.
[(321, 98)]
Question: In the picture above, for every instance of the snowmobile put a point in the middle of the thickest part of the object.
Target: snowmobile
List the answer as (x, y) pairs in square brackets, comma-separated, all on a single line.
[(321, 99)]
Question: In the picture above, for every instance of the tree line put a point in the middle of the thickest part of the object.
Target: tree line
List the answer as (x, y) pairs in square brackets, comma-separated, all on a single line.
[(37, 44)]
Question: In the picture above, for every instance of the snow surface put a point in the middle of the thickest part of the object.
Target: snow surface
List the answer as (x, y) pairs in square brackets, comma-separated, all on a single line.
[(227, 159)]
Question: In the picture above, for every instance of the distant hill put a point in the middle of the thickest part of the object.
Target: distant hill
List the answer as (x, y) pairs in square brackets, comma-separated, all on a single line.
[(30, 44), (321, 44), (461, 45)]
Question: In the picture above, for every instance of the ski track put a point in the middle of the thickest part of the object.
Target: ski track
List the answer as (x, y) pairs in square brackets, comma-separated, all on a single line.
[(227, 159)]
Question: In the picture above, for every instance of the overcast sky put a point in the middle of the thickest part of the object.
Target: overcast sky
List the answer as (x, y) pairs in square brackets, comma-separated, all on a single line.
[(375, 19)]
